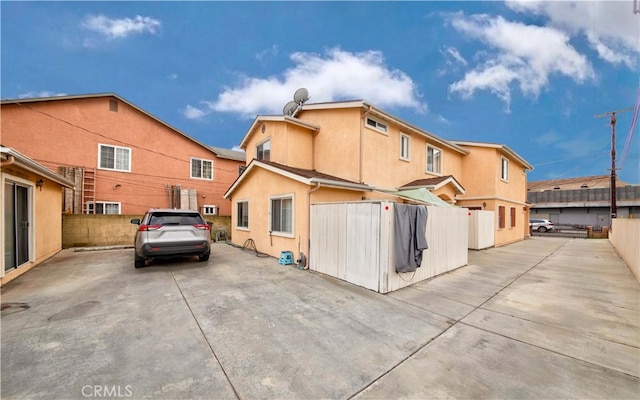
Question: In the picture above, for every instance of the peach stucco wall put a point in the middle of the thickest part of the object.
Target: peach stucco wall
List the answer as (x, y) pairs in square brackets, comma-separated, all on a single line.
[(485, 188), (290, 144), (258, 195), (68, 132), (337, 143), (46, 214)]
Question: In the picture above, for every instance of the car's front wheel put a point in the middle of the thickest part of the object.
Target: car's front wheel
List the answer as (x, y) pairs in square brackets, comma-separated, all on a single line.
[(542, 229)]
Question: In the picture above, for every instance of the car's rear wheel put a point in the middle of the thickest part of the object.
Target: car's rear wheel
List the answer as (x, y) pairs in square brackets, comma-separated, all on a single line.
[(204, 257), (542, 229), (139, 262)]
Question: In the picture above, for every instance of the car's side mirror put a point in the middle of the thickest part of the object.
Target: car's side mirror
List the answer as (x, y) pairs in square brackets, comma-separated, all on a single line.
[(135, 221)]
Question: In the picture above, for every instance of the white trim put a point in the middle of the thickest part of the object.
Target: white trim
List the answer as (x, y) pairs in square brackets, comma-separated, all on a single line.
[(408, 156), (267, 140), (502, 147), (378, 121), (103, 203), (307, 181), (243, 228), (449, 180), (25, 162), (201, 168), (502, 170), (426, 163), (293, 209), (215, 208), (496, 198), (276, 118), (115, 158), (5, 177)]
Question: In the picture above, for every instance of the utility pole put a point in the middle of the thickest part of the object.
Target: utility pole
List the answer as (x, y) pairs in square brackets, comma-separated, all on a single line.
[(612, 121)]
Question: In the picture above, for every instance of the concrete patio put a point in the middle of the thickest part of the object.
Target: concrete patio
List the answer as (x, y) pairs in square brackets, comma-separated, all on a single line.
[(542, 318)]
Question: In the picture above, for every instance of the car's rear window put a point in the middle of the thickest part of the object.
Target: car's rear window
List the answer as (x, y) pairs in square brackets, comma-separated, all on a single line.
[(165, 218)]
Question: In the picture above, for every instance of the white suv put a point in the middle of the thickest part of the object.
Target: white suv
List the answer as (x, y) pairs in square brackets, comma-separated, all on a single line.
[(165, 232), (541, 225)]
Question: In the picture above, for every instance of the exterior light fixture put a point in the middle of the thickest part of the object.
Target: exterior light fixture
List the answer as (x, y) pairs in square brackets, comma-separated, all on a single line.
[(40, 184)]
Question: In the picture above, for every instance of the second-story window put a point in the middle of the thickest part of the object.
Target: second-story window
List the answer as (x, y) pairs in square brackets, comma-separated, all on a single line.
[(263, 151), (404, 147), (377, 125), (201, 169), (434, 160), (114, 157), (504, 174)]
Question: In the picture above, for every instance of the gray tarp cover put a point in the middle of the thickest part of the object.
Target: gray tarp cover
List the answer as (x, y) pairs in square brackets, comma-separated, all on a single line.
[(409, 238)]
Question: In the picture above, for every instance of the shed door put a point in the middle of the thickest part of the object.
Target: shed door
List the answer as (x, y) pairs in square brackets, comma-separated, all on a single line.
[(16, 227)]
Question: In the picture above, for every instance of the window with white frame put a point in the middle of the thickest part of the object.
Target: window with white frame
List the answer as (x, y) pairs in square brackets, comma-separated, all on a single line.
[(404, 146), (281, 214), (201, 169), (209, 210), (263, 151), (114, 158), (377, 125), (242, 214), (504, 173), (434, 160), (103, 207)]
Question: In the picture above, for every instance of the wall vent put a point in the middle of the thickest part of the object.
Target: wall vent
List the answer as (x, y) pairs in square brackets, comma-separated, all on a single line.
[(113, 105)]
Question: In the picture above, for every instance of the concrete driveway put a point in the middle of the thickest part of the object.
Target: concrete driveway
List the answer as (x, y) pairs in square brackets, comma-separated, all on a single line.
[(543, 318)]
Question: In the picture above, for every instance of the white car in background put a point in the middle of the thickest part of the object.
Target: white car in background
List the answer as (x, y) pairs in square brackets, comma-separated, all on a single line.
[(541, 225)]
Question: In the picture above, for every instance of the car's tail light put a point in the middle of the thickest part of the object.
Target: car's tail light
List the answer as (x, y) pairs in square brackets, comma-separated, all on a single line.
[(144, 228), (202, 226)]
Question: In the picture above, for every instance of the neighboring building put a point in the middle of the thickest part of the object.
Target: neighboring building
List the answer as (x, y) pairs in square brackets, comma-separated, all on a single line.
[(122, 159), (353, 151), (583, 201), (495, 179), (31, 215)]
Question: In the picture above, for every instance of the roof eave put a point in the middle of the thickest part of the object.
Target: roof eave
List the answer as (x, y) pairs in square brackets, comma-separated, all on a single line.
[(28, 164)]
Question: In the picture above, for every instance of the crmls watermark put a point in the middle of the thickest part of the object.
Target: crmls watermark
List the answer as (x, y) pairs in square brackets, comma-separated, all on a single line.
[(99, 391)]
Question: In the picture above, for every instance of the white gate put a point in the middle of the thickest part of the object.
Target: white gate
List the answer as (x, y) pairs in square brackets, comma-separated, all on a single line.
[(481, 229)]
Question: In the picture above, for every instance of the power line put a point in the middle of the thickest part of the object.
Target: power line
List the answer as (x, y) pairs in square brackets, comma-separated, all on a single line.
[(102, 135)]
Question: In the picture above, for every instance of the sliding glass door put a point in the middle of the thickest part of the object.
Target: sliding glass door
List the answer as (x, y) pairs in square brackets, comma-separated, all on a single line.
[(16, 225)]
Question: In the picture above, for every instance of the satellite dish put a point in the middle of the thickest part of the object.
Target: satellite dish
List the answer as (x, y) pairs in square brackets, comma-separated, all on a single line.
[(301, 95), (290, 108)]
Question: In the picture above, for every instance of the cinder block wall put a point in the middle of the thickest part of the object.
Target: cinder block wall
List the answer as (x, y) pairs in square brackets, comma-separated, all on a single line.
[(88, 230)]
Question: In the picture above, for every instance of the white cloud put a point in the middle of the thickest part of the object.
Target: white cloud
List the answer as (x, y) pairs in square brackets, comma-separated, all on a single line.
[(611, 27), (120, 28), (271, 52), (453, 53), (520, 54), (237, 148), (172, 77), (42, 93), (334, 75), (191, 112)]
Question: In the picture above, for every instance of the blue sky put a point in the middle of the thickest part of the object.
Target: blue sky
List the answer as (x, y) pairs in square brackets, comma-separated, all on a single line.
[(530, 75)]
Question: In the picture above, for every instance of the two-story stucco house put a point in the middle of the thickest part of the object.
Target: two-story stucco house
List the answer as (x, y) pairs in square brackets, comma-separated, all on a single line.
[(352, 151), (122, 159)]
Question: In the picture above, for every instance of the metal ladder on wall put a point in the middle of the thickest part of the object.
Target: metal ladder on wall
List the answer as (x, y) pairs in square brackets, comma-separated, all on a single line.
[(88, 191)]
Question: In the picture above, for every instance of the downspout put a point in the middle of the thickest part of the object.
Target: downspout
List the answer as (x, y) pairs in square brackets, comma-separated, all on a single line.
[(10, 160), (313, 149), (314, 189)]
